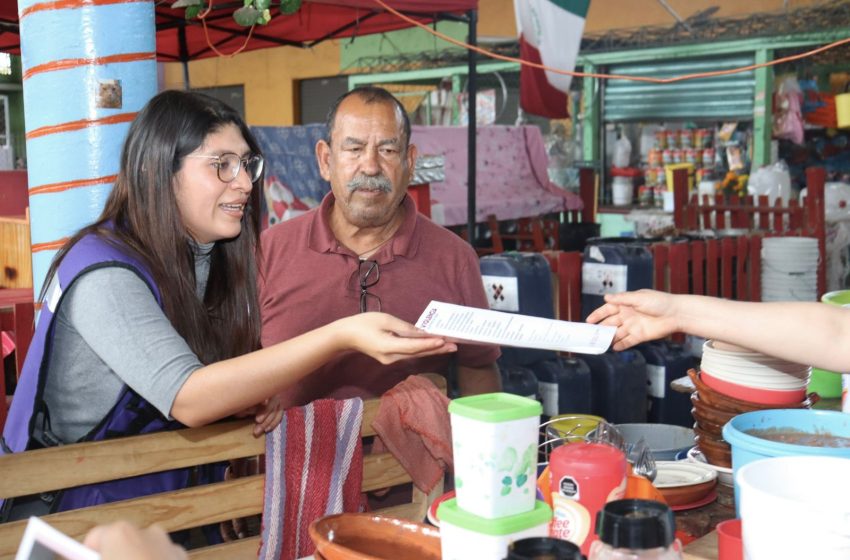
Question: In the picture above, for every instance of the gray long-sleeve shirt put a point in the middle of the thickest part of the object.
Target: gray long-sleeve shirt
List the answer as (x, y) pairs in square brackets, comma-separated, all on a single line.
[(110, 331)]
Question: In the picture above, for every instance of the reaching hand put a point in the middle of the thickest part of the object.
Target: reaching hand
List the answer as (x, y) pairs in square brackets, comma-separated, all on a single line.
[(639, 316), (388, 339), (124, 541), (267, 416)]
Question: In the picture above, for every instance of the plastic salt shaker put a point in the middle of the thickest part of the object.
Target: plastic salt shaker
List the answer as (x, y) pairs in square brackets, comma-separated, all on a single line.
[(635, 530)]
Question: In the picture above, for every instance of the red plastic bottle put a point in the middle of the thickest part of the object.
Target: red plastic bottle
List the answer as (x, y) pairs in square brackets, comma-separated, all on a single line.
[(583, 478)]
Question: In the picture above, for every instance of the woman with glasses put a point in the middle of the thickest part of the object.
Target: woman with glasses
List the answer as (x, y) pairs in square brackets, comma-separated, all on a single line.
[(150, 317)]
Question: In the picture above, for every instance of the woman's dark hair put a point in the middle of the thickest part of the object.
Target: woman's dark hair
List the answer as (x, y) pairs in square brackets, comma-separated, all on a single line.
[(141, 214)]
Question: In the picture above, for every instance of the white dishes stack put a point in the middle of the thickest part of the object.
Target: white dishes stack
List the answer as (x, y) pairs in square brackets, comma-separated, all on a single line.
[(789, 268), (752, 369)]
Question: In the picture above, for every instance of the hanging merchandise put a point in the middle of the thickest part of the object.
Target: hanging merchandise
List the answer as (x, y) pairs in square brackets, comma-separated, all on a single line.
[(788, 114), (622, 151), (773, 181)]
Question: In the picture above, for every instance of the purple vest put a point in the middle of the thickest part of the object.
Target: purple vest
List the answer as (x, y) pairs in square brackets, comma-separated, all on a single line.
[(28, 424)]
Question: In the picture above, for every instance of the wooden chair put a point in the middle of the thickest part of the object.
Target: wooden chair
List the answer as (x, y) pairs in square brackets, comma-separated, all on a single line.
[(45, 470)]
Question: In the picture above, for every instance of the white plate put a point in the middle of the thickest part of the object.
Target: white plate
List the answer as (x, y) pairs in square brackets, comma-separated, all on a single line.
[(672, 474), (724, 474)]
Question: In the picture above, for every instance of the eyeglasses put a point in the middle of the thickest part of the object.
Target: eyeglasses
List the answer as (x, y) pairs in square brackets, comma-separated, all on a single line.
[(369, 275), (228, 166)]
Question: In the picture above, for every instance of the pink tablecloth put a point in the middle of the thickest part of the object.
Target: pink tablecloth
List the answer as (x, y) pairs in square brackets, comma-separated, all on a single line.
[(7, 345), (512, 181)]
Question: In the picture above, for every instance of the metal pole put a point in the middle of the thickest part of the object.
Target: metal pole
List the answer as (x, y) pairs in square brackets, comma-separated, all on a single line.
[(471, 90), (184, 54)]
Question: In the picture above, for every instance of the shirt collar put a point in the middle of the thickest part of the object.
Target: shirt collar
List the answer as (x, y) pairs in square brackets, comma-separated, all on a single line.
[(403, 243)]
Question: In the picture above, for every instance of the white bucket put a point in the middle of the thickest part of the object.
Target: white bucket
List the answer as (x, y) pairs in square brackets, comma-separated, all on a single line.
[(795, 507), (622, 191)]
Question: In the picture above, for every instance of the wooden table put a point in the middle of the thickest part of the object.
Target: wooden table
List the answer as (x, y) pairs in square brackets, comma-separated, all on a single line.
[(704, 548)]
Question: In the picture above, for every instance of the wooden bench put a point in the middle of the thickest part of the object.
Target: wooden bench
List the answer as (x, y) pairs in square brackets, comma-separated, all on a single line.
[(46, 470)]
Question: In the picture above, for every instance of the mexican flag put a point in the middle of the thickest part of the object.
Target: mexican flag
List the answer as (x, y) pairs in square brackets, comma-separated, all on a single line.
[(549, 33)]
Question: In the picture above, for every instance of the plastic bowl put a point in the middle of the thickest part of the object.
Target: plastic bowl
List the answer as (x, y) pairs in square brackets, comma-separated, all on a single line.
[(795, 507), (754, 394), (664, 440), (729, 543), (365, 536), (747, 448)]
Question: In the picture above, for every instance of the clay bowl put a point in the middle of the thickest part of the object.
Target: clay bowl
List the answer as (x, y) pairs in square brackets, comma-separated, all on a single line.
[(365, 536), (716, 451), (706, 424), (726, 403), (708, 413), (707, 435), (681, 495)]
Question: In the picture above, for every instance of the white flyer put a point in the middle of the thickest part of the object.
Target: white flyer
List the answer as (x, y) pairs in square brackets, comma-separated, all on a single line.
[(471, 324), (44, 542)]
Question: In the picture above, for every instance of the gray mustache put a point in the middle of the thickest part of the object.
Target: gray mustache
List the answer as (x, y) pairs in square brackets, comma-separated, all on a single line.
[(371, 182)]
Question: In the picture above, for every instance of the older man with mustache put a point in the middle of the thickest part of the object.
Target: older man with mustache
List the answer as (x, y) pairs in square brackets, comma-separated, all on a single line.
[(366, 248)]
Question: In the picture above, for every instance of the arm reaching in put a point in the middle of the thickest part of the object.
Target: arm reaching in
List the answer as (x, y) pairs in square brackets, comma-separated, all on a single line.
[(803, 332), (227, 387)]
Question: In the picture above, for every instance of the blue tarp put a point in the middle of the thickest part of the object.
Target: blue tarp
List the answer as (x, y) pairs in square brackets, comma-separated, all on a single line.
[(292, 184)]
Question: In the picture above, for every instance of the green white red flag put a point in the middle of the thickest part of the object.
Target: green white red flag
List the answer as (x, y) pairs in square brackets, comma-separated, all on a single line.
[(549, 33)]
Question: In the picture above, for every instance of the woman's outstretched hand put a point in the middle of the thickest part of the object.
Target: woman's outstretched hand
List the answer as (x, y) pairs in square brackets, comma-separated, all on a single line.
[(639, 316), (388, 339)]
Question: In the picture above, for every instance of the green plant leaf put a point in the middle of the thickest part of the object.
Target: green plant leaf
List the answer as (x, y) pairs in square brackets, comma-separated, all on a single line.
[(192, 12), (246, 16), (265, 17), (289, 6), (185, 3), (262, 5)]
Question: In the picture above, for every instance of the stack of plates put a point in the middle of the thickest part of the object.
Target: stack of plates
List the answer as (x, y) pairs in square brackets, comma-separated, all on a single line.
[(789, 269), (684, 483), (733, 380), (754, 377)]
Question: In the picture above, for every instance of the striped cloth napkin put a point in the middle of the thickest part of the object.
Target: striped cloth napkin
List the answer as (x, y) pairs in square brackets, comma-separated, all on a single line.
[(314, 467)]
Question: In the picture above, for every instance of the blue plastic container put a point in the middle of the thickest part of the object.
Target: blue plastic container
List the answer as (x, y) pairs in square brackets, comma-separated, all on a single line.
[(666, 362), (519, 283), (618, 386), (747, 448), (612, 265), (564, 385), (518, 380)]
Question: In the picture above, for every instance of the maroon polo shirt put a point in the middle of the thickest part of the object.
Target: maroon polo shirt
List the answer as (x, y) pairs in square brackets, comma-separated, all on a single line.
[(308, 279)]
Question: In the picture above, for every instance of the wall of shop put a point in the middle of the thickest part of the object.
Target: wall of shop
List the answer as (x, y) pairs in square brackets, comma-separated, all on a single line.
[(10, 86), (267, 75)]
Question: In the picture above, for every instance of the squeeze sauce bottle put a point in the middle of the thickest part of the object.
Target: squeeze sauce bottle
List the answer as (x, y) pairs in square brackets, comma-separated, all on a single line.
[(583, 478)]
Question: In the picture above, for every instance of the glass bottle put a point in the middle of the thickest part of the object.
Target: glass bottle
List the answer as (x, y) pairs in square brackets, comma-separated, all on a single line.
[(635, 530)]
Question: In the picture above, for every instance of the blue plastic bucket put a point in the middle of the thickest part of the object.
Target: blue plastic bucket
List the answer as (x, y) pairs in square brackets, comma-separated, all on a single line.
[(747, 448)]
